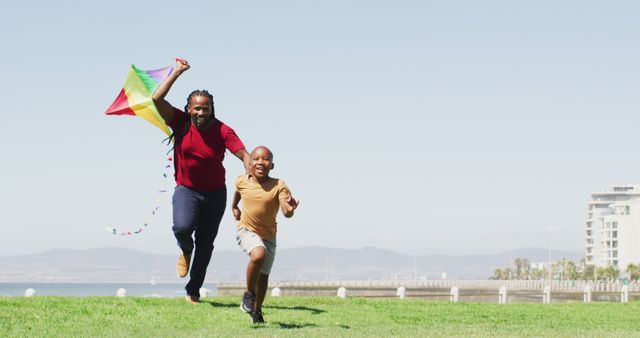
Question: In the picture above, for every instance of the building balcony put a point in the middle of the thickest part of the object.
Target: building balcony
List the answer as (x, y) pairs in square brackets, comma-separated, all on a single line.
[(600, 202), (618, 189)]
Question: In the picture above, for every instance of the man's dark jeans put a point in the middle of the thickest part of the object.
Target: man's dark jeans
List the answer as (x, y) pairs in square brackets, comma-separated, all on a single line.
[(197, 214)]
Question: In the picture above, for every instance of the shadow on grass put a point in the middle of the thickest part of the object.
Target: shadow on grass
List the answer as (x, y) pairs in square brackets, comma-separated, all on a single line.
[(215, 304), (286, 325), (298, 308), (293, 308)]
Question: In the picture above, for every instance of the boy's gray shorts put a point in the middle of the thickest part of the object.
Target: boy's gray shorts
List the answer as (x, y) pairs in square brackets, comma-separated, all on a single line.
[(249, 240)]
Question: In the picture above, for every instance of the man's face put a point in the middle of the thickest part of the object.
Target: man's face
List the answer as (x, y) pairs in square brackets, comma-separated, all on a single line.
[(200, 110)]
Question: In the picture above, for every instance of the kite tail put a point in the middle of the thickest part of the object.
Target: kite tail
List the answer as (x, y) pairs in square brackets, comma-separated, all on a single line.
[(163, 190)]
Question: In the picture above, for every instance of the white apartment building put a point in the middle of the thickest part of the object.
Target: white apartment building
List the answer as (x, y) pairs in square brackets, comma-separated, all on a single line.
[(613, 227)]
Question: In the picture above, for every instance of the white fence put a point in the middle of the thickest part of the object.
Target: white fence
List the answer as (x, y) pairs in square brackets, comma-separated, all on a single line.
[(568, 286)]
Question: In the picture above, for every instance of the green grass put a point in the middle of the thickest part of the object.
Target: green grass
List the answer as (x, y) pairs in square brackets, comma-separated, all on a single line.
[(308, 316)]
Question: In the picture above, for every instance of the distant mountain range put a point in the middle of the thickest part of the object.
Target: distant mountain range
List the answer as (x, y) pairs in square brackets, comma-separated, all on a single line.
[(308, 263)]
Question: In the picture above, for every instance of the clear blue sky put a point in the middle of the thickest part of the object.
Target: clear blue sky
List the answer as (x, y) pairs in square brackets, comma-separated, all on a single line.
[(416, 126)]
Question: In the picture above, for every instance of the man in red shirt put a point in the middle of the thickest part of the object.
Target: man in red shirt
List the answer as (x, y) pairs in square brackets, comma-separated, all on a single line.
[(200, 196)]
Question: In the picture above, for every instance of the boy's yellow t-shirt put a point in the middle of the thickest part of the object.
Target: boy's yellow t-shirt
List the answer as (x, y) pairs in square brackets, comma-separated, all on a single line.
[(260, 204)]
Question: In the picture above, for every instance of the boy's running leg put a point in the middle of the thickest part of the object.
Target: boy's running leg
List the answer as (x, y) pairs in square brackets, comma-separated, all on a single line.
[(256, 259), (261, 291), (253, 268)]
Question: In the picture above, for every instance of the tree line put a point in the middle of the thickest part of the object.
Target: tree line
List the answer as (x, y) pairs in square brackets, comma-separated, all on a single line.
[(563, 269)]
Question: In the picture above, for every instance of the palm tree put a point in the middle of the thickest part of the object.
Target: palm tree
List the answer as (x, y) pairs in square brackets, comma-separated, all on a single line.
[(568, 269), (634, 271), (518, 264), (501, 274), (588, 272), (609, 272), (538, 273), (526, 267)]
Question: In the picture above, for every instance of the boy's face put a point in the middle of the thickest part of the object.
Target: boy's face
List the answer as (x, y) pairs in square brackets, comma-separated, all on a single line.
[(261, 162)]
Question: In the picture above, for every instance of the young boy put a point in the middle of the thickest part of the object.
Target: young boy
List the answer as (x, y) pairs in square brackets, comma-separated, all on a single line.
[(256, 229)]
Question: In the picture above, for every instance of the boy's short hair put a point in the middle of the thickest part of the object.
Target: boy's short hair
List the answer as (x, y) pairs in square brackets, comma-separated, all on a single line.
[(263, 147)]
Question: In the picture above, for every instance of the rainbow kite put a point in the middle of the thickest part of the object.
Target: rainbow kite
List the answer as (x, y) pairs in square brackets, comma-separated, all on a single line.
[(135, 96)]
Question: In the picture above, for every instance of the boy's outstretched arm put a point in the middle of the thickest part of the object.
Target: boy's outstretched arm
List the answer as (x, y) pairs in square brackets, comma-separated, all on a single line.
[(165, 108), (234, 206), (288, 206)]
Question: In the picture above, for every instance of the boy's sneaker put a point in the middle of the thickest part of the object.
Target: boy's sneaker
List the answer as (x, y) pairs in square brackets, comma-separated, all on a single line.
[(248, 299), (257, 317), (182, 266)]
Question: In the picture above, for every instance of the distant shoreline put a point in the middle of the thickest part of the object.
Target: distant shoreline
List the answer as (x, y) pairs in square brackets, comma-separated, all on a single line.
[(90, 282)]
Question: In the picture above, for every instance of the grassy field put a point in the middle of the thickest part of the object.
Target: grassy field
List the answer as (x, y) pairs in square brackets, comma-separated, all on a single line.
[(308, 316)]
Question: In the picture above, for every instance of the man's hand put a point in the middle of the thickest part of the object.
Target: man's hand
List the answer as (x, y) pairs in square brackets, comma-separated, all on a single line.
[(182, 65), (244, 156), (165, 108), (236, 213)]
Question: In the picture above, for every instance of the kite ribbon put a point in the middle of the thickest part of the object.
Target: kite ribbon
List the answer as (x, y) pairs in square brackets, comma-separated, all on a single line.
[(161, 191)]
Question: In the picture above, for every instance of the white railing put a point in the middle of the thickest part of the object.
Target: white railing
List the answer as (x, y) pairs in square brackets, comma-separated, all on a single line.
[(554, 285)]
